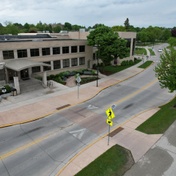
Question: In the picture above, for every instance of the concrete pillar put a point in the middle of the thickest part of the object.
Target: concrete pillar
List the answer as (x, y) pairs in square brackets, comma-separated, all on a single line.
[(41, 68), (61, 63), (18, 74), (51, 51), (52, 65), (40, 51), (70, 64), (16, 84), (44, 78), (131, 47), (1, 56), (15, 54), (28, 53)]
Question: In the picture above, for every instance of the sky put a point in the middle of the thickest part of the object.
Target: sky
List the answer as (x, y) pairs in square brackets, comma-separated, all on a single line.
[(141, 13)]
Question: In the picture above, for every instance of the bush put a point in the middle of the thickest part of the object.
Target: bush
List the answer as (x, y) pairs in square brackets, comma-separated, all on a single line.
[(124, 63), (131, 62), (7, 88)]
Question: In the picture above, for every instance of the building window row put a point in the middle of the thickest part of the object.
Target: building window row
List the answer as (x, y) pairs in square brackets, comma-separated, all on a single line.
[(9, 54), (65, 63)]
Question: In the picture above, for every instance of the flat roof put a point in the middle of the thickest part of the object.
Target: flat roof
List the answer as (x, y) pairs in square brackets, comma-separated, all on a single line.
[(21, 64)]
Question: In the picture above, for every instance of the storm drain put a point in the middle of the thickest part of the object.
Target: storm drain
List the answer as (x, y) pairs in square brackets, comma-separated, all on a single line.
[(64, 106), (113, 133)]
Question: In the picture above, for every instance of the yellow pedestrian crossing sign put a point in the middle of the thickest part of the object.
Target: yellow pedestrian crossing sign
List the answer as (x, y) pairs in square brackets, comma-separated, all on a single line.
[(110, 114), (109, 122)]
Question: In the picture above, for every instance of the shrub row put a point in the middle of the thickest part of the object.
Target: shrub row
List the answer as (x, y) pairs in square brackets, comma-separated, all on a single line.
[(62, 77), (129, 62)]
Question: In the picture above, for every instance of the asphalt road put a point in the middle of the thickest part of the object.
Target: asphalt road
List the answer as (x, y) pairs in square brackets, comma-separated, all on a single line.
[(43, 147)]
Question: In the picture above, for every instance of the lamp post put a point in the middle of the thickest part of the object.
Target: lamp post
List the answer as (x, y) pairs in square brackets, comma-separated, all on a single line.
[(97, 72), (97, 68)]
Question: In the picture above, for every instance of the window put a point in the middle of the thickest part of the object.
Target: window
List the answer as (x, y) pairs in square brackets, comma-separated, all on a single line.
[(45, 68), (74, 49), (65, 49), (22, 53), (45, 51), (57, 64), (82, 61), (56, 50), (66, 63), (34, 52), (82, 48), (74, 61), (9, 54), (35, 69)]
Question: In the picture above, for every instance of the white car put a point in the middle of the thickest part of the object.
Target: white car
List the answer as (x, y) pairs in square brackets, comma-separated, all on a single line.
[(160, 50)]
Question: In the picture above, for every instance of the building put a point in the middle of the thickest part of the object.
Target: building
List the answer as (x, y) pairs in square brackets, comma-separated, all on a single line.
[(25, 55)]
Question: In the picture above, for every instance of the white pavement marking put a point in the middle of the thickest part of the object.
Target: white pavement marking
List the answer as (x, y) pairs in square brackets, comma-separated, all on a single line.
[(78, 133)]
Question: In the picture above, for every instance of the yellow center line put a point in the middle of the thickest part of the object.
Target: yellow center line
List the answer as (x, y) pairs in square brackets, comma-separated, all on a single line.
[(136, 92), (12, 152)]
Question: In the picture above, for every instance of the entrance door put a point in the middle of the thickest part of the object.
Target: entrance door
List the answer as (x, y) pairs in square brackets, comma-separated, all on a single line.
[(24, 74)]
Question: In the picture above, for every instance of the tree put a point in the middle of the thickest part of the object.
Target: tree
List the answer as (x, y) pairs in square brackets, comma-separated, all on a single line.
[(173, 32), (67, 26), (172, 41), (127, 24), (166, 70), (109, 45)]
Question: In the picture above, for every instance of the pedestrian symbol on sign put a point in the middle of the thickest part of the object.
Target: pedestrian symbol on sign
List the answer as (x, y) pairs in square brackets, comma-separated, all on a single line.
[(110, 114)]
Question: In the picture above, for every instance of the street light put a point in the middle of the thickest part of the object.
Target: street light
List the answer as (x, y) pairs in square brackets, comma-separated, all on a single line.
[(97, 68), (97, 73)]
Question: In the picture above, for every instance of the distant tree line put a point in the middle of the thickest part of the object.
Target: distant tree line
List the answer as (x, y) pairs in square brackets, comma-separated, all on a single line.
[(147, 35)]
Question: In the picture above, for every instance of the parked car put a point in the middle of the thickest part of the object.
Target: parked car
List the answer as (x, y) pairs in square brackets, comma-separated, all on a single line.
[(160, 50)]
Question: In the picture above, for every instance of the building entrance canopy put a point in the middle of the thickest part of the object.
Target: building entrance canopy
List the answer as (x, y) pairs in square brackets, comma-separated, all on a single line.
[(21, 64)]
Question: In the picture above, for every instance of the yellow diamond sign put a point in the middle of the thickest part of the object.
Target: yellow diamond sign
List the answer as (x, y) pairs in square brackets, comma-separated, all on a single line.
[(110, 114), (109, 122)]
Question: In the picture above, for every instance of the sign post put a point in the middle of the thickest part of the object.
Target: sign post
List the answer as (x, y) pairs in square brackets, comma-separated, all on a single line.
[(110, 115)]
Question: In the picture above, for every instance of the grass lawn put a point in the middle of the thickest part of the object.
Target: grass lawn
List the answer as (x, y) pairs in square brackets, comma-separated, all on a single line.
[(146, 64), (140, 51), (114, 162), (108, 70), (160, 121), (152, 53)]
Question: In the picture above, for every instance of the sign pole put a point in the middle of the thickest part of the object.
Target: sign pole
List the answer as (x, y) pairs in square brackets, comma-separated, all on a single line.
[(78, 90), (108, 134)]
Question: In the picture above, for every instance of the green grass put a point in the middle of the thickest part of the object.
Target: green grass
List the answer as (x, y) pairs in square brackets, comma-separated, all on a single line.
[(108, 70), (146, 64), (160, 121), (114, 162), (140, 51), (152, 53)]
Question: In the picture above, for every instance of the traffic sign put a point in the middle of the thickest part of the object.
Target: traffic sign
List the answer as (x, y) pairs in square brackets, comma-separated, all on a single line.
[(78, 78), (110, 114), (109, 122)]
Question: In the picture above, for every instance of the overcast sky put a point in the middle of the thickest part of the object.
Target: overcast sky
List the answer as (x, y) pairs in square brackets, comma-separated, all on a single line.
[(141, 13)]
